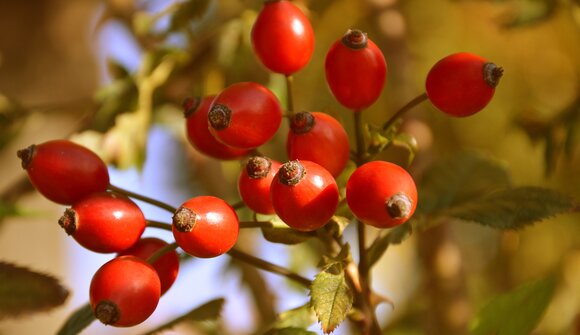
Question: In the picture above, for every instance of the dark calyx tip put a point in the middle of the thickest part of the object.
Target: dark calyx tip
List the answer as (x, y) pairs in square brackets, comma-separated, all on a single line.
[(302, 123), (258, 167), (492, 74), (26, 155), (355, 39), (190, 105), (68, 221), (399, 206), (107, 312), (184, 219), (219, 116), (291, 173)]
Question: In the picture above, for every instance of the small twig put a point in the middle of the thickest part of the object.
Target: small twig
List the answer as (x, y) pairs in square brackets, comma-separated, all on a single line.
[(160, 225), (161, 252), (146, 199), (417, 100), (289, 95), (270, 267)]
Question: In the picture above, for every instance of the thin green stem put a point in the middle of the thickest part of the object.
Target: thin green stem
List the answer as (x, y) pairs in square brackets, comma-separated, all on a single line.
[(289, 95), (372, 325), (159, 224), (270, 267), (238, 205), (359, 136), (161, 252), (146, 199), (417, 100)]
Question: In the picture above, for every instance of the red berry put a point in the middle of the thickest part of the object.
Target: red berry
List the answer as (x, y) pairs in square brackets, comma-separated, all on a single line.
[(355, 70), (104, 222), (462, 84), (198, 134), (304, 195), (245, 115), (320, 138), (63, 171), (381, 194), (205, 226), (282, 37), (124, 291), (167, 266), (254, 183)]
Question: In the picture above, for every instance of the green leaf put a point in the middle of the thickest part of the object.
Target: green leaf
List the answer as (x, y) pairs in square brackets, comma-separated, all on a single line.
[(208, 311), (299, 317), (514, 208), (285, 235), (78, 321), (460, 178), (331, 297), (516, 312), (23, 291), (382, 243), (289, 331)]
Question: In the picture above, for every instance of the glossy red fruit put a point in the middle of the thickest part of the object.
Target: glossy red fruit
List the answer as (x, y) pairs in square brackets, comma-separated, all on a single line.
[(254, 183), (167, 266), (462, 84), (282, 37), (381, 194), (245, 115), (124, 291), (104, 222), (355, 70), (320, 138), (206, 226), (63, 171), (198, 134), (304, 195)]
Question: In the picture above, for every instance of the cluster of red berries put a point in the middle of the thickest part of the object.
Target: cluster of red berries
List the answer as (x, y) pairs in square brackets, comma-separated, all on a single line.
[(303, 192)]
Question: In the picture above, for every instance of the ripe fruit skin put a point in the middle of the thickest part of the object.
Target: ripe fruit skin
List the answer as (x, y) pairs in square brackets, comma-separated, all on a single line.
[(381, 194), (198, 133), (254, 183), (245, 115), (63, 171), (167, 266), (304, 195), (282, 37), (124, 291), (355, 70), (104, 222), (462, 84), (205, 226), (319, 138)]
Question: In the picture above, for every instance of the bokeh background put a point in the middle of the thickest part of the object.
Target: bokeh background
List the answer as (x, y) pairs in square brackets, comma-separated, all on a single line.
[(76, 69)]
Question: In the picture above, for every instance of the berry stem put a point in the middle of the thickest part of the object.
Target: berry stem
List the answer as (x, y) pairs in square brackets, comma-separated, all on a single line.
[(289, 94), (270, 267), (360, 141), (417, 100), (159, 224), (161, 252), (238, 205), (146, 199), (371, 326)]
